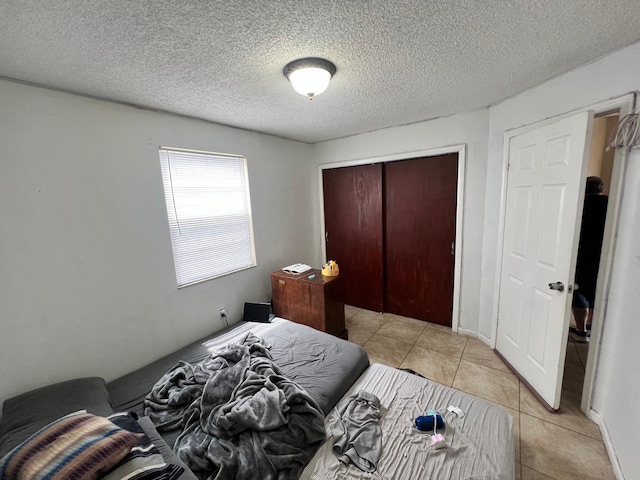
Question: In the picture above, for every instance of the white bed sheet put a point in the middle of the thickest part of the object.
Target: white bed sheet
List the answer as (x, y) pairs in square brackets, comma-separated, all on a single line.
[(480, 446)]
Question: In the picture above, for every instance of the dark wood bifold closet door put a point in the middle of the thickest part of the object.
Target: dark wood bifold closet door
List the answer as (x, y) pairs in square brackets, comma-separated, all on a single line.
[(420, 230), (353, 226)]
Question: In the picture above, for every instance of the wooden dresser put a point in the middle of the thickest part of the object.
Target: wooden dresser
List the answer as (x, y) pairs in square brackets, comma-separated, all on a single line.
[(311, 299)]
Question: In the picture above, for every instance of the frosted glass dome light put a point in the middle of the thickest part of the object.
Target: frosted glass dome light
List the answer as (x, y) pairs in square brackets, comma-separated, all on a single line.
[(309, 76)]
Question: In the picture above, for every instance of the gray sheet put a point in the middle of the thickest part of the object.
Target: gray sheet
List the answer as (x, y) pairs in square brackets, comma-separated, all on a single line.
[(479, 446), (324, 365)]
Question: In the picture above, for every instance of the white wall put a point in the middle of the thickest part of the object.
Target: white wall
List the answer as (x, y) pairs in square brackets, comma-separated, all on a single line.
[(617, 384), (469, 128), (88, 283)]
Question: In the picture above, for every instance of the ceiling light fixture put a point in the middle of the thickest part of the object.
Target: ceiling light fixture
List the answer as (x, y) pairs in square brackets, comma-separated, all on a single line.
[(309, 76)]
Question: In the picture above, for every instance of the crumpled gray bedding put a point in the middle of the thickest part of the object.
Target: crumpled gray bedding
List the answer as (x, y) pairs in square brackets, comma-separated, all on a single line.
[(357, 436), (324, 365), (241, 418)]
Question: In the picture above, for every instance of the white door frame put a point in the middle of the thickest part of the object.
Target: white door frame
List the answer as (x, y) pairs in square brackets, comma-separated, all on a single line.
[(624, 104), (461, 150)]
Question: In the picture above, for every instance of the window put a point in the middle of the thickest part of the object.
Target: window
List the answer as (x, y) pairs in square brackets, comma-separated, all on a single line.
[(209, 212)]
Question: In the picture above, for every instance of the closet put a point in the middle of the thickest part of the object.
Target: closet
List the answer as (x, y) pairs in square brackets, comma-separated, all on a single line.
[(391, 227)]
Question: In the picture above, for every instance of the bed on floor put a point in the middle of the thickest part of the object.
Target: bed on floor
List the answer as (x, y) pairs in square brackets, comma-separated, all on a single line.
[(478, 445), (322, 364), (330, 370)]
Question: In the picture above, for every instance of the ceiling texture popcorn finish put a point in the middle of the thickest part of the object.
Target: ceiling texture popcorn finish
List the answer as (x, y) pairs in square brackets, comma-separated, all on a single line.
[(397, 62)]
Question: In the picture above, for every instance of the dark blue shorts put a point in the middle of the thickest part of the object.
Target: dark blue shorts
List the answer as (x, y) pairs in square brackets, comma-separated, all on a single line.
[(580, 300)]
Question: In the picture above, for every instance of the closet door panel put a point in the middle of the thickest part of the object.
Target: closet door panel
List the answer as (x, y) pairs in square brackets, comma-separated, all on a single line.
[(353, 226), (420, 229)]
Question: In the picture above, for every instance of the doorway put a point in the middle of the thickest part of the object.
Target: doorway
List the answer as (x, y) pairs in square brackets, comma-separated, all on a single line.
[(546, 164), (395, 222), (353, 236), (419, 237), (454, 245), (600, 165), (622, 105)]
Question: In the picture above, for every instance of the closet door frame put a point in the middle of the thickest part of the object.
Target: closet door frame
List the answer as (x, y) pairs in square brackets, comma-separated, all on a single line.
[(461, 150)]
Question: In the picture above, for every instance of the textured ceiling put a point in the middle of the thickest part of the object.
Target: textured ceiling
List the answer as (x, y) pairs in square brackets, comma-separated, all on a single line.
[(398, 62)]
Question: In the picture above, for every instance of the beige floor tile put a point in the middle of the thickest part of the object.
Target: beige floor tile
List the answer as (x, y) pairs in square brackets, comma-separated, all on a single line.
[(573, 378), (373, 360), (443, 342), (367, 319), (436, 366), (442, 328), (572, 357), (477, 352), (560, 453), (390, 350), (486, 382), (583, 350), (531, 474), (569, 415), (413, 321), (360, 336), (350, 310), (402, 328)]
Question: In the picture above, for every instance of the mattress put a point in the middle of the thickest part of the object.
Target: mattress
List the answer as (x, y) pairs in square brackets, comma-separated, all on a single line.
[(479, 445), (324, 365)]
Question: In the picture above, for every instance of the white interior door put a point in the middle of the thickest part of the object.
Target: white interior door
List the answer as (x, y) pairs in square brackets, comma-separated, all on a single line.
[(543, 210)]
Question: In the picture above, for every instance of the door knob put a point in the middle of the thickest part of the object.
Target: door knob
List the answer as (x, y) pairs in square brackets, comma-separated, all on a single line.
[(559, 286)]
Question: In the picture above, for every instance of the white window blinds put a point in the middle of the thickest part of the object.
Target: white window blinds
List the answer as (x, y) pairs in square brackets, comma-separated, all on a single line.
[(209, 213)]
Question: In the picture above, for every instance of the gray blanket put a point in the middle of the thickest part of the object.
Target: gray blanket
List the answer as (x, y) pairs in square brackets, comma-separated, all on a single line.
[(240, 417)]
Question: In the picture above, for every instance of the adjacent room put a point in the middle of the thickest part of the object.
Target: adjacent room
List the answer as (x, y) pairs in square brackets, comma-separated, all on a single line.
[(169, 186)]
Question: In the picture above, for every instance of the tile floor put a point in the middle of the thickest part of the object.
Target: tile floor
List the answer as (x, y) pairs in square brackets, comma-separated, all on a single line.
[(565, 445)]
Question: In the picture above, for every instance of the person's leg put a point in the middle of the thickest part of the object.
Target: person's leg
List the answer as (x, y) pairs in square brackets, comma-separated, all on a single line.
[(591, 298), (580, 308), (581, 315)]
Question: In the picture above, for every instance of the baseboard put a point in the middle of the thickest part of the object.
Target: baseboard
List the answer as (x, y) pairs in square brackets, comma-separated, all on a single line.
[(468, 333), (484, 339), (613, 458)]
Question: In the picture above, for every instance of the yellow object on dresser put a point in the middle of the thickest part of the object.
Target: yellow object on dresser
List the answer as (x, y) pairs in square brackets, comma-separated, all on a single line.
[(330, 269)]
